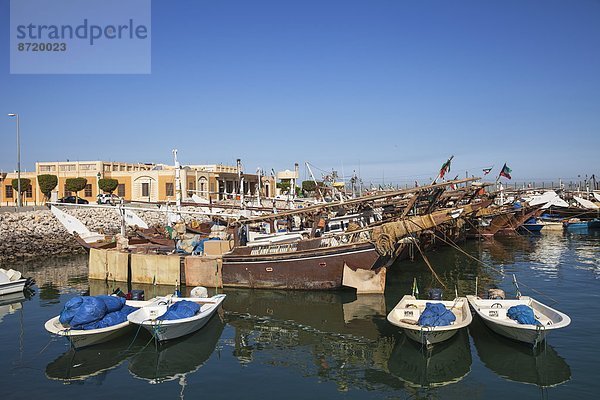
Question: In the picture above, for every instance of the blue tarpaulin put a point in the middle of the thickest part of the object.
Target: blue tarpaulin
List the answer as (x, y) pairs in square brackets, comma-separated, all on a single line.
[(179, 310), (113, 303), (92, 312), (111, 318), (435, 314), (522, 314)]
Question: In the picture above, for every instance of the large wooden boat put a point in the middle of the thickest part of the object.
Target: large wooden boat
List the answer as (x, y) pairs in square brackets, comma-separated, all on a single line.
[(319, 263)]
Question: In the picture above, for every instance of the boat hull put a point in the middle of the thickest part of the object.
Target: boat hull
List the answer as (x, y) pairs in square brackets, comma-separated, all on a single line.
[(406, 314), (494, 315), (164, 330), (429, 337), (302, 270), (12, 286), (85, 338), (82, 338), (521, 335)]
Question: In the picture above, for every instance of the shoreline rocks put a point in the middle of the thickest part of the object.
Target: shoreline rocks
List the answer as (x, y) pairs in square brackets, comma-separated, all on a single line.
[(38, 233)]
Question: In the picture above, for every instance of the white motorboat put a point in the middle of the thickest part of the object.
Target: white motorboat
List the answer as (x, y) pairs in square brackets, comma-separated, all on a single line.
[(493, 312), (149, 316), (407, 312), (11, 281), (82, 338)]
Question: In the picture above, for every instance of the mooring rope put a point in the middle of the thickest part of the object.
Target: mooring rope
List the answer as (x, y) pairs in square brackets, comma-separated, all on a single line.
[(455, 246)]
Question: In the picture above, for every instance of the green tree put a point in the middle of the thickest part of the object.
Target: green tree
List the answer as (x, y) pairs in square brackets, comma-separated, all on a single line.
[(75, 185), (47, 183), (25, 184), (284, 186), (309, 186), (108, 185)]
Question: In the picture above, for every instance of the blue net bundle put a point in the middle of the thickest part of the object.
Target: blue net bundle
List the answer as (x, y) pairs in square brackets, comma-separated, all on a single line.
[(436, 314), (522, 314), (179, 310), (93, 312)]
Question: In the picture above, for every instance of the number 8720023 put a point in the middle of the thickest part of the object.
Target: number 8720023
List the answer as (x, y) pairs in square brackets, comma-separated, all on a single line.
[(35, 46)]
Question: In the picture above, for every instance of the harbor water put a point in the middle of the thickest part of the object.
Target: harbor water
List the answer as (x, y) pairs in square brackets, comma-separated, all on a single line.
[(299, 345)]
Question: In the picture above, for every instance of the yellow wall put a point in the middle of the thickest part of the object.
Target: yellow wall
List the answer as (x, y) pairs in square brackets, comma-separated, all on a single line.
[(162, 187), (7, 181)]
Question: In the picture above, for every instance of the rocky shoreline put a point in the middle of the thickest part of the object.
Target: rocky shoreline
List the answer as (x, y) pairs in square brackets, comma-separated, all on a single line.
[(38, 233)]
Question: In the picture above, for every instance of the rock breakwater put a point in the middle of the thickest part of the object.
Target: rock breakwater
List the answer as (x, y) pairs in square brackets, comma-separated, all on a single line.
[(39, 233)]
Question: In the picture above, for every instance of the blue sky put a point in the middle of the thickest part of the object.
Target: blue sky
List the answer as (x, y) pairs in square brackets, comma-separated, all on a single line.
[(392, 88)]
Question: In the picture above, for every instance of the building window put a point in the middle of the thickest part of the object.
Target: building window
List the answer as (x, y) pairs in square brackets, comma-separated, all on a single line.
[(106, 168), (67, 167), (169, 189), (8, 191), (29, 192), (47, 168), (86, 167), (88, 190), (145, 189), (121, 190)]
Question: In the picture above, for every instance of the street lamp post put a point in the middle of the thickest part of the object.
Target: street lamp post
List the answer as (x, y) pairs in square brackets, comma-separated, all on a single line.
[(19, 201)]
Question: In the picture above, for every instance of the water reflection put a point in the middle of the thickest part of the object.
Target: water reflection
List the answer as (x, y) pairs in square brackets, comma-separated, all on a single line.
[(446, 363), (547, 255), (95, 361), (175, 359), (331, 336), (516, 362), (13, 302)]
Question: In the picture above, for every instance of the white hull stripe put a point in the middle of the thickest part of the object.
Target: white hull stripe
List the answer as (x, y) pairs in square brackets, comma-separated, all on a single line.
[(296, 259)]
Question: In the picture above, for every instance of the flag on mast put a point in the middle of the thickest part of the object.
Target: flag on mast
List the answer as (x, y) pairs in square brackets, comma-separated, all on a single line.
[(445, 167), (505, 172), (487, 170), (453, 186)]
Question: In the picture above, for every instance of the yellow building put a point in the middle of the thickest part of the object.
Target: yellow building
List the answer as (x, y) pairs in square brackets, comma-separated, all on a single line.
[(138, 182)]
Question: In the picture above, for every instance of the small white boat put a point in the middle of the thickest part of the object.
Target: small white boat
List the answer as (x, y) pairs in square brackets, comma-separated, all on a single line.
[(82, 338), (493, 312), (407, 312), (171, 329), (11, 281)]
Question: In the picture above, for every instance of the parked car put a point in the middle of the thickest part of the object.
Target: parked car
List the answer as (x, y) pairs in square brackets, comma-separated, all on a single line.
[(108, 198), (73, 199)]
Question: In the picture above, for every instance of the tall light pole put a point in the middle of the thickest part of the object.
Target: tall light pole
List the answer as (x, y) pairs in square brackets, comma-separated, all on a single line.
[(19, 201)]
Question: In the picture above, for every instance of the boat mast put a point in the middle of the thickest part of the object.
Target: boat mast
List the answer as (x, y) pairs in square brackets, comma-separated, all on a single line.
[(315, 181), (177, 180)]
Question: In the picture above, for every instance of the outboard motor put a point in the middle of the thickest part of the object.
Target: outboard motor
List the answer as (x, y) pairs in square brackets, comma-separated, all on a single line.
[(435, 294), (137, 295), (496, 294)]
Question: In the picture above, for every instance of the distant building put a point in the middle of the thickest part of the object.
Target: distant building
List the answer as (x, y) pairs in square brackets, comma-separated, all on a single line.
[(139, 182)]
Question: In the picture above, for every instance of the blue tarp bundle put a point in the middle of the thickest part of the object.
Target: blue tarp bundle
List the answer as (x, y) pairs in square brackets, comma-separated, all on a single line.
[(82, 310), (199, 247), (522, 314), (435, 314), (111, 318), (113, 303), (179, 310), (89, 312)]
